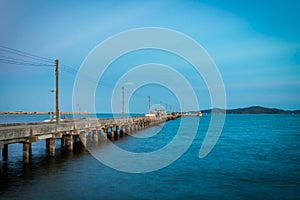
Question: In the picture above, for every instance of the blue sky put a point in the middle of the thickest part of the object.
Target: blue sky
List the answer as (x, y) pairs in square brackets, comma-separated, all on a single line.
[(255, 45)]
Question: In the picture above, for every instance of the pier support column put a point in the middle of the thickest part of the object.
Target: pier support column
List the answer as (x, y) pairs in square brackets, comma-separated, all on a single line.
[(95, 136), (69, 142), (124, 129), (118, 130), (89, 135), (83, 138), (131, 128), (98, 132), (5, 152), (50, 142), (112, 132), (26, 152), (105, 132), (121, 130), (63, 141)]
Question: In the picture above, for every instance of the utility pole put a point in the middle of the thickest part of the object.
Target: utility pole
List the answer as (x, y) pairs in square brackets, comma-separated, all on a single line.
[(149, 104), (122, 101), (166, 108), (56, 91)]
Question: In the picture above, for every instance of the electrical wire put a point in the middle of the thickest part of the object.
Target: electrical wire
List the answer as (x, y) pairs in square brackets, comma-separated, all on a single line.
[(24, 63), (23, 58), (39, 61), (24, 54)]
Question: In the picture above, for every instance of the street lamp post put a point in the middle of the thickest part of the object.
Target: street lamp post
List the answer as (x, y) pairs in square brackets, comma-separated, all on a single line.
[(51, 119)]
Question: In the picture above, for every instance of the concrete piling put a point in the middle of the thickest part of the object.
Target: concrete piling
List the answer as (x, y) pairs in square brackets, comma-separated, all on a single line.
[(5, 152), (118, 130), (26, 152), (95, 136), (112, 132), (69, 142), (105, 132), (50, 142), (62, 141)]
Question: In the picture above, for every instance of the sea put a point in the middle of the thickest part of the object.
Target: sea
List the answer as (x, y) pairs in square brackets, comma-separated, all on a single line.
[(257, 156)]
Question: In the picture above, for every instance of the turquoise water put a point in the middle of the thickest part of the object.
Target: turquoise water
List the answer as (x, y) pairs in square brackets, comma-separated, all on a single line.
[(256, 157)]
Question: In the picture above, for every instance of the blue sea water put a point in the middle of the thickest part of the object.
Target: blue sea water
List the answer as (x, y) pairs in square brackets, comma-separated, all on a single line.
[(256, 157)]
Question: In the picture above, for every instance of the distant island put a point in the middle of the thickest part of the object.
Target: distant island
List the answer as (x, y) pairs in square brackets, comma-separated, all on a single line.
[(250, 110)]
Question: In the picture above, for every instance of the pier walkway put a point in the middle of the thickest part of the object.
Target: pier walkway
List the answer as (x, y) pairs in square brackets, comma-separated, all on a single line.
[(71, 130)]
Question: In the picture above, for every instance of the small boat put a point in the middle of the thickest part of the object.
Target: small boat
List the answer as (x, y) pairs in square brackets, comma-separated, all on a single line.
[(50, 120)]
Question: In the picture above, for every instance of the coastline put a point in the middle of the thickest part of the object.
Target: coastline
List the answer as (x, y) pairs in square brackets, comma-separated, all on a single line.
[(41, 113)]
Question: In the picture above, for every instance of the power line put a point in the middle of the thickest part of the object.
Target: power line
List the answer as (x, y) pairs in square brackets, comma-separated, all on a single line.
[(23, 58), (46, 62), (24, 54), (14, 59), (24, 63)]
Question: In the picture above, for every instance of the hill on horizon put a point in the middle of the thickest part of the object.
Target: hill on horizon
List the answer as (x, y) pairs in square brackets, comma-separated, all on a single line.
[(251, 110)]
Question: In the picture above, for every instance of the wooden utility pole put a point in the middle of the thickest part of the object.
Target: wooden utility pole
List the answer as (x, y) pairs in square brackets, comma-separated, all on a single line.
[(122, 101), (149, 104), (166, 108), (56, 91)]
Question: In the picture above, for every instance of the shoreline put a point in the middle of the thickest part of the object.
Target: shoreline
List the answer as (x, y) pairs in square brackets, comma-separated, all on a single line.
[(41, 113)]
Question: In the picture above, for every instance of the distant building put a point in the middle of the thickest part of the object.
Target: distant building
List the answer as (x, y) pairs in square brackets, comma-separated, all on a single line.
[(156, 113)]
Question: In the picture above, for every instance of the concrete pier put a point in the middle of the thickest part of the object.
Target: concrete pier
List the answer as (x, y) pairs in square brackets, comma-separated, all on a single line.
[(69, 130)]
